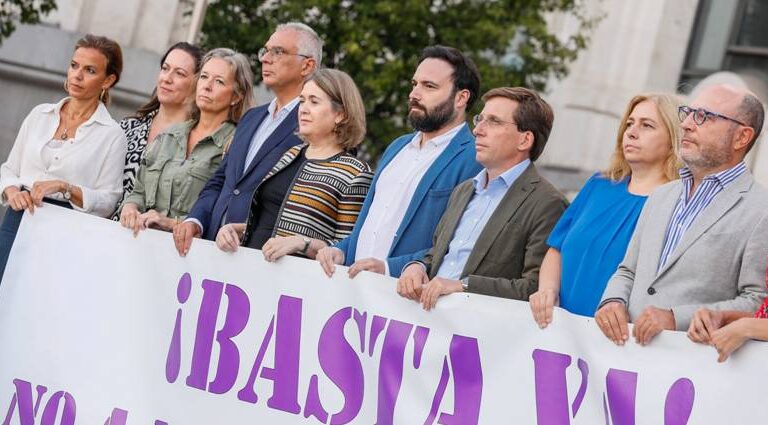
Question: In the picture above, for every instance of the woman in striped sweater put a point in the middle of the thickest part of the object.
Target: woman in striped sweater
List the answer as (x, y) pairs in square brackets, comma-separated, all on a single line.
[(312, 196)]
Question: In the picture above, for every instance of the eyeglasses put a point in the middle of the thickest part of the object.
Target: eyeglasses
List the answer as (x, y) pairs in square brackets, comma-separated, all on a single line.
[(490, 121), (700, 115), (277, 53)]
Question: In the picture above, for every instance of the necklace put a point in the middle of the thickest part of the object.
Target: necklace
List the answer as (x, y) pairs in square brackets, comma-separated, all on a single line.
[(71, 122)]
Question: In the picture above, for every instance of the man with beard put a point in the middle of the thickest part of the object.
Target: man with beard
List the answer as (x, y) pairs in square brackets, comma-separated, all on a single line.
[(701, 241), (417, 171), (493, 235)]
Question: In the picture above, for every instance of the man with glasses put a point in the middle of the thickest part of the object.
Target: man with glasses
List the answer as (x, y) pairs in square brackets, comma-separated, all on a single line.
[(417, 172), (492, 237), (263, 134), (701, 241)]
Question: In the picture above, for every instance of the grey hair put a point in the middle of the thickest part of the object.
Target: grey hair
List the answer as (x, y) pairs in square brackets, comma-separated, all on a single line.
[(309, 44), (243, 79), (753, 113)]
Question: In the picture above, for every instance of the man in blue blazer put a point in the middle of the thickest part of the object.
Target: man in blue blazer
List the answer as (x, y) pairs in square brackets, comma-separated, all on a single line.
[(264, 133), (417, 172)]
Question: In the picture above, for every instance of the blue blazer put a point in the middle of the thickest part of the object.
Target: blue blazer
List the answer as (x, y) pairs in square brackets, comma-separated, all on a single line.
[(230, 189), (414, 236)]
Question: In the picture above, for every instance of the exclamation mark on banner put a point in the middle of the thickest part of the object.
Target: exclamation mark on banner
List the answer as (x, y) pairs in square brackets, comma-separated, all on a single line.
[(173, 361)]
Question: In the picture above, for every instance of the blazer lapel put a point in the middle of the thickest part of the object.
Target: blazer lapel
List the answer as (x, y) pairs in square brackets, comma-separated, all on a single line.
[(452, 216), (520, 190), (722, 203), (248, 130), (455, 146), (285, 129)]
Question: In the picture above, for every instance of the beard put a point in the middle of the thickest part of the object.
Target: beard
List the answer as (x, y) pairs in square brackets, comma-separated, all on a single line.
[(434, 119)]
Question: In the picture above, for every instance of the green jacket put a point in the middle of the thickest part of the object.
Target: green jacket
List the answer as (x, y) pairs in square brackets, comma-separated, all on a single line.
[(168, 181)]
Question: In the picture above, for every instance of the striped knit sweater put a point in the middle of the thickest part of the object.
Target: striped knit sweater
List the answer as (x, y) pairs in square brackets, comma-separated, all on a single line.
[(324, 199)]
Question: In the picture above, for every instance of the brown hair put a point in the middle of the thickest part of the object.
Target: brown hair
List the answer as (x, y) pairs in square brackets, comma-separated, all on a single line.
[(111, 50), (345, 98), (666, 105), (533, 114), (194, 52)]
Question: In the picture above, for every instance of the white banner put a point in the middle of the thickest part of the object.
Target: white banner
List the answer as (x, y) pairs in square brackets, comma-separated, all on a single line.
[(97, 327)]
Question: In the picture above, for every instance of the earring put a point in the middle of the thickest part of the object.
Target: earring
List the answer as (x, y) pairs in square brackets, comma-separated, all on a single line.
[(103, 93), (66, 86)]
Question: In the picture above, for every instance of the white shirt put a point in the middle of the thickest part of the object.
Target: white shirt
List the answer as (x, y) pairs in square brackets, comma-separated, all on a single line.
[(93, 160), (393, 192), (268, 126)]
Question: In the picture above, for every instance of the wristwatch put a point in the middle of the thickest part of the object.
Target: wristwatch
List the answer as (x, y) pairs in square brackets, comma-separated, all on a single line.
[(306, 244), (465, 283), (68, 192)]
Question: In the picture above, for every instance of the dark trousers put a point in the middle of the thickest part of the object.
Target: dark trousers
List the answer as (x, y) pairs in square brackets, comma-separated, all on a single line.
[(10, 227)]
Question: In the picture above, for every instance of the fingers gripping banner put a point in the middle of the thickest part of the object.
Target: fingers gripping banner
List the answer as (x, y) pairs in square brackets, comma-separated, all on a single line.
[(99, 327)]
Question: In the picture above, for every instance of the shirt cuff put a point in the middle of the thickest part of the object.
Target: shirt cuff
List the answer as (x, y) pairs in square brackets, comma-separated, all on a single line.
[(196, 221), (423, 266), (609, 300)]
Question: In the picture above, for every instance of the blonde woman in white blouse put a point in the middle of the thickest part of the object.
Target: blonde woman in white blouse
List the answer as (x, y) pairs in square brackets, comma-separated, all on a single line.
[(70, 153)]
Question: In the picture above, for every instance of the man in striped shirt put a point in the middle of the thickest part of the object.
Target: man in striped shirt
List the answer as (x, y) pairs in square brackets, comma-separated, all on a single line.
[(702, 241)]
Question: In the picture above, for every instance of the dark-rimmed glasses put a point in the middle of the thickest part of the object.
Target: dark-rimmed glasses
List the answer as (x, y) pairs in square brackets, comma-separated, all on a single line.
[(700, 115), (277, 53)]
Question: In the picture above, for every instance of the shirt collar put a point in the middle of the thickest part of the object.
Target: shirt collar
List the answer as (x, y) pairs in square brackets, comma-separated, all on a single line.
[(507, 178), (284, 110), (439, 140), (723, 178), (101, 115)]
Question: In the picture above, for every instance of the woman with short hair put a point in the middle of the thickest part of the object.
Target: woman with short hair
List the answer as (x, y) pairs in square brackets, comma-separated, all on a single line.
[(311, 198)]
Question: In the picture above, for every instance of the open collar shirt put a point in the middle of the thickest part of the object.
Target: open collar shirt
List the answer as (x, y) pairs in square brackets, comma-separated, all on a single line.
[(487, 197)]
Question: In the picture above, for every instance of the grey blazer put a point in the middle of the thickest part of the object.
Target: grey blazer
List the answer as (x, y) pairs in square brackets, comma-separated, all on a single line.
[(720, 262), (506, 258)]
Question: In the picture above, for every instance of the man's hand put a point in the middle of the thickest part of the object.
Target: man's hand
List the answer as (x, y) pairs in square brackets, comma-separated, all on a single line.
[(436, 288), (411, 281), (370, 264), (612, 318), (183, 235), (542, 304), (651, 322), (328, 258), (703, 324)]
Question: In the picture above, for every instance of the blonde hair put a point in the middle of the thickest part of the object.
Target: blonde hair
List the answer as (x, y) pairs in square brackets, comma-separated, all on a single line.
[(666, 105), (345, 98), (243, 77)]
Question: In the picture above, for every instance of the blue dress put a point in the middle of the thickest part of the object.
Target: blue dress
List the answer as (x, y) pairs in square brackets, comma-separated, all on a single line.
[(592, 237)]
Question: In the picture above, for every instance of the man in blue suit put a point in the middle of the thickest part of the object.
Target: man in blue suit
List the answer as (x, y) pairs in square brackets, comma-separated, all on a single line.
[(264, 133), (417, 172)]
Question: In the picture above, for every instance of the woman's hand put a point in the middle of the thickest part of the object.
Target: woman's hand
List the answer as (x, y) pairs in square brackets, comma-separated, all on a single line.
[(41, 189), (154, 220), (280, 246), (730, 337), (228, 238), (130, 218), (542, 303), (19, 200)]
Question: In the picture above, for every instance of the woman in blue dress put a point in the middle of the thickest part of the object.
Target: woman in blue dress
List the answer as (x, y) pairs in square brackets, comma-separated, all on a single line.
[(591, 238)]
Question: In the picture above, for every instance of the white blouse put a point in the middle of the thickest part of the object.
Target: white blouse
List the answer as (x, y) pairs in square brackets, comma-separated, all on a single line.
[(93, 160)]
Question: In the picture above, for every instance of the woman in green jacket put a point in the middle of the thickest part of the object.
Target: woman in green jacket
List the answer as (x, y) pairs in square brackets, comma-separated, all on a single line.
[(183, 158)]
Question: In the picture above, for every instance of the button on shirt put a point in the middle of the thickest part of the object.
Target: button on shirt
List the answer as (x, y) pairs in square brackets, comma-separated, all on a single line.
[(394, 191), (487, 197), (688, 207), (268, 126)]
